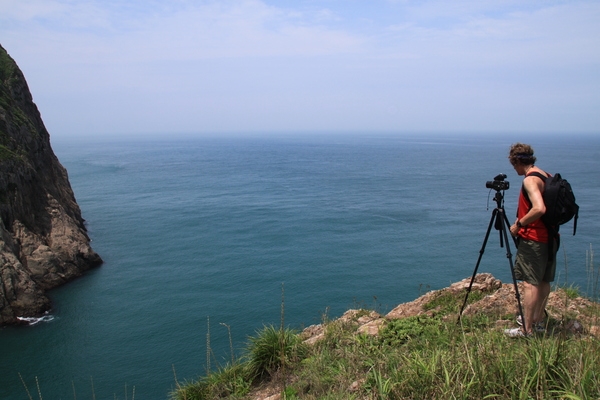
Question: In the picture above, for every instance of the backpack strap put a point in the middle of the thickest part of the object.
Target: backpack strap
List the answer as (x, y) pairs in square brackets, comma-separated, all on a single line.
[(552, 230), (537, 174)]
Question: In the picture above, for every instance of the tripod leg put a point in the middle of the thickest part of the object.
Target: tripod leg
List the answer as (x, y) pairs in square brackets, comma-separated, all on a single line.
[(508, 224), (505, 228), (487, 235)]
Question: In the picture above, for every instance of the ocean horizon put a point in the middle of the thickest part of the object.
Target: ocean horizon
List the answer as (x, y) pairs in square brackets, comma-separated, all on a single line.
[(210, 234)]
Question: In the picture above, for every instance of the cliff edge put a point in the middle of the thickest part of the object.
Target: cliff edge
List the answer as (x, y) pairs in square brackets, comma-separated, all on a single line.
[(43, 239)]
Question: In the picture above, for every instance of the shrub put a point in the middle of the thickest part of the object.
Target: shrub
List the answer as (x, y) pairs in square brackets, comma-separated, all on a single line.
[(272, 349)]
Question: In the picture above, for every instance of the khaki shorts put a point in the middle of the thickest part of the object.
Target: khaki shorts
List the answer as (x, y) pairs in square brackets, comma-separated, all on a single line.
[(532, 264)]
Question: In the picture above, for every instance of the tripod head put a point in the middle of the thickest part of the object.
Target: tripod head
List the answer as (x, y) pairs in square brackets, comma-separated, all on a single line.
[(499, 185), (499, 199)]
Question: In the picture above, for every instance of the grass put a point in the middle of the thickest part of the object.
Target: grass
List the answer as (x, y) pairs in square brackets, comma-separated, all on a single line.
[(415, 357), (272, 350), (38, 391), (424, 357)]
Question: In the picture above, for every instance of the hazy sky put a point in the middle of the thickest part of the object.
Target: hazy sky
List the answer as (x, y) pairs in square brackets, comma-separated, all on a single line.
[(149, 66)]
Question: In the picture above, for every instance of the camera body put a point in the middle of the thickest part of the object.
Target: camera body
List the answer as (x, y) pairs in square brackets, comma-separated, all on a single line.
[(498, 183)]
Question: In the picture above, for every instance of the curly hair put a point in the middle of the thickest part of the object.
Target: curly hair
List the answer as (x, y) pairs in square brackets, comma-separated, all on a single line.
[(521, 153)]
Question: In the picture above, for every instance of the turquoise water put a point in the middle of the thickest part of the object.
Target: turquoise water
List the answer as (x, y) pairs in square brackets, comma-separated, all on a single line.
[(215, 229)]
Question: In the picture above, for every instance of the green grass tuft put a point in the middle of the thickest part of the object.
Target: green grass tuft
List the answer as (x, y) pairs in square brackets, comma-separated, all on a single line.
[(273, 349)]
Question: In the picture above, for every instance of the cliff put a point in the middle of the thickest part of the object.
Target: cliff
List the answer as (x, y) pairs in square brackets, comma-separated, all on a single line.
[(364, 354), (43, 239)]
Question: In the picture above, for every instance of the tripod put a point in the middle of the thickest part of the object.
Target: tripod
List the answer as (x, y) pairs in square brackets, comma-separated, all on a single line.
[(501, 224)]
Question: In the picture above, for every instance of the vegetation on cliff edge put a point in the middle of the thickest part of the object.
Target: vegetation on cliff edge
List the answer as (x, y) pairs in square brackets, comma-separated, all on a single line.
[(421, 356)]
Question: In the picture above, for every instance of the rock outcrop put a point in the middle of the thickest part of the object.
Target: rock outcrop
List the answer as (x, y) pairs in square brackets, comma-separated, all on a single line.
[(566, 315), (43, 239)]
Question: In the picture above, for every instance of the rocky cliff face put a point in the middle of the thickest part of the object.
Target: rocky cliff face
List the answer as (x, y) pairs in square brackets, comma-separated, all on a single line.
[(43, 240)]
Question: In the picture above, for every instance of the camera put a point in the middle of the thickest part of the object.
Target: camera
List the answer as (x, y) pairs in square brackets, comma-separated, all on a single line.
[(498, 183)]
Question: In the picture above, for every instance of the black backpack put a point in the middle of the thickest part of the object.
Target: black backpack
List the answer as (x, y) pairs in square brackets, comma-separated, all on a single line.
[(559, 201), (560, 206)]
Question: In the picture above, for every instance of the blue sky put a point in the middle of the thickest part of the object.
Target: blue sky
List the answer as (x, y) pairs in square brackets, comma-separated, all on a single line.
[(102, 67)]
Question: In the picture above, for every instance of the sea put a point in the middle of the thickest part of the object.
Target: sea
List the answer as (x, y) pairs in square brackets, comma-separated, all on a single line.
[(206, 239)]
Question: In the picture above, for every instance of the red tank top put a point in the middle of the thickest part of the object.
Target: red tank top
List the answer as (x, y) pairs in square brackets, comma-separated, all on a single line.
[(534, 231)]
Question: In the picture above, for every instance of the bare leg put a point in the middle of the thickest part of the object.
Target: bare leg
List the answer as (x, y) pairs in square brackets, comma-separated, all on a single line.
[(544, 293), (535, 299), (531, 296)]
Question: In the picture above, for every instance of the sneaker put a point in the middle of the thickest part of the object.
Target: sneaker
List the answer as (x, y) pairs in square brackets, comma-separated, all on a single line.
[(540, 327), (520, 320), (516, 332)]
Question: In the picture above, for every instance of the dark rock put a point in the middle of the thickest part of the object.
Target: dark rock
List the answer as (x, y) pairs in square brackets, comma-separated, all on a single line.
[(43, 239)]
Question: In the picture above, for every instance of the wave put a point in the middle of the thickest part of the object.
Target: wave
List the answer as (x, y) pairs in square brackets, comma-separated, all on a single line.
[(36, 320)]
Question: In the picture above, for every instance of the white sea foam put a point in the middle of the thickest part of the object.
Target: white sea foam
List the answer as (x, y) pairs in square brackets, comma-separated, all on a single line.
[(36, 320)]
